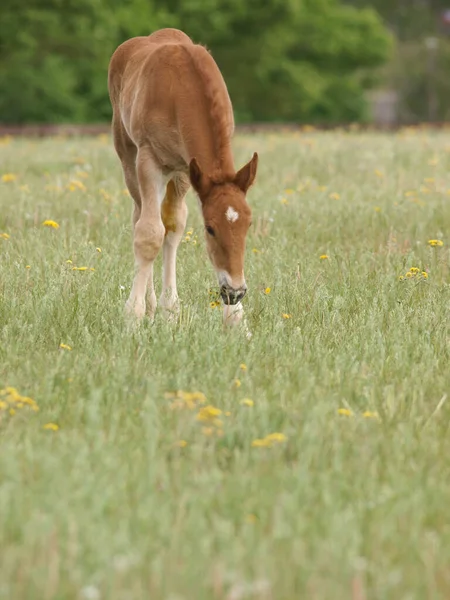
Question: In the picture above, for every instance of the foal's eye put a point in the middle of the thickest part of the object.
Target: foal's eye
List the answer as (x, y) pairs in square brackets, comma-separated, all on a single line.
[(210, 230)]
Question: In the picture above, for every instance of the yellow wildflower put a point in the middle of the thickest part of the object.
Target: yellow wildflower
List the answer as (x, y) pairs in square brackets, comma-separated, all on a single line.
[(99, 250), (267, 291), (69, 262), (9, 177), (269, 440), (105, 195), (75, 184), (414, 270), (208, 414), (289, 191), (27, 266), (237, 383), (194, 397), (215, 304), (286, 316), (247, 402), (379, 173), (276, 437), (12, 412), (50, 223), (51, 426), (435, 242), (334, 196), (261, 443), (125, 192), (324, 256), (10, 390), (5, 236), (346, 412), (370, 414), (65, 347), (401, 278), (181, 444), (284, 201), (424, 274), (377, 209), (243, 367), (256, 251), (186, 399), (79, 268), (208, 431), (3, 405), (409, 275), (227, 413)]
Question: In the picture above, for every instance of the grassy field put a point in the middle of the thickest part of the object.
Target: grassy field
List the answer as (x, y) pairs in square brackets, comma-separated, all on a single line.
[(120, 480)]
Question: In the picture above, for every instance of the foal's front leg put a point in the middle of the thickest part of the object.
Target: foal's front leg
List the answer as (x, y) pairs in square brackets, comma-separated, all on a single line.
[(148, 234), (174, 215)]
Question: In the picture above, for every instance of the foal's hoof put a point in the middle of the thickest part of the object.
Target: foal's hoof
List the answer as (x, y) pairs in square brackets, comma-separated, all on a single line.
[(170, 307), (135, 310), (232, 314)]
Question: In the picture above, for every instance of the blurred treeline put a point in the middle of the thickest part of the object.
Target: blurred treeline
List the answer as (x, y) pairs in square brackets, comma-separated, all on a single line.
[(419, 67), (283, 60)]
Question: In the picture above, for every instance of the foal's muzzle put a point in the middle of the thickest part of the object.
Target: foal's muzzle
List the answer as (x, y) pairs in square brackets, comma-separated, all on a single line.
[(231, 296)]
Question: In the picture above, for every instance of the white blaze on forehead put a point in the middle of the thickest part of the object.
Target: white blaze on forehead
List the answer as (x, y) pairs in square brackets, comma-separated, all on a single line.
[(231, 214)]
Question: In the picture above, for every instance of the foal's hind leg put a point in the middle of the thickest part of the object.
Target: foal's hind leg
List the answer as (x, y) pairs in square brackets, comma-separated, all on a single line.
[(127, 153), (148, 233), (174, 215)]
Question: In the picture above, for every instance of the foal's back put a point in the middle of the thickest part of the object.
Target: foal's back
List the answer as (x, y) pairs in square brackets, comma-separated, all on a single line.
[(167, 89)]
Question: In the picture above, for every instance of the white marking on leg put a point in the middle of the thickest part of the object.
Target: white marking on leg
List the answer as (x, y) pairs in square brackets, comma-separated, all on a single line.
[(169, 296), (232, 314), (148, 233), (136, 301), (231, 214)]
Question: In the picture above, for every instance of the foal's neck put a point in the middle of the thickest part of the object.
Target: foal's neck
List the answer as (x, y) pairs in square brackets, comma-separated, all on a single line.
[(216, 160)]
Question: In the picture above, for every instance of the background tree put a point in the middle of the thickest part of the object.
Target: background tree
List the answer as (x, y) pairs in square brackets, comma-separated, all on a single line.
[(302, 60)]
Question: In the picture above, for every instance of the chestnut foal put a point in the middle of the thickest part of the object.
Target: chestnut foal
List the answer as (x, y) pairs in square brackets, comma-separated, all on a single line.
[(172, 125)]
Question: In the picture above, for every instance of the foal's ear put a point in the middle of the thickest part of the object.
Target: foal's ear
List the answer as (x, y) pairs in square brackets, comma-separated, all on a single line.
[(246, 176), (199, 181)]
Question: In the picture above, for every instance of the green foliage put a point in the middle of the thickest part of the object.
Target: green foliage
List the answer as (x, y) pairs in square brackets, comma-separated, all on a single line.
[(282, 60)]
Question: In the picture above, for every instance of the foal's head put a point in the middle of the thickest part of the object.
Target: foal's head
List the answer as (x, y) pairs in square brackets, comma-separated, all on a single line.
[(227, 218)]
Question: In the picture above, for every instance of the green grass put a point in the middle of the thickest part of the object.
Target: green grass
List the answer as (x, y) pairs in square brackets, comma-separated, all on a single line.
[(109, 506)]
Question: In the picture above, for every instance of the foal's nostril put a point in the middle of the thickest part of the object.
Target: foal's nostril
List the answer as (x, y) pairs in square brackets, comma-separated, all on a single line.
[(230, 296)]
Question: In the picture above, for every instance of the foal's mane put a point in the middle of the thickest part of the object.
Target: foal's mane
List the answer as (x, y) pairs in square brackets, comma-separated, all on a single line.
[(220, 112)]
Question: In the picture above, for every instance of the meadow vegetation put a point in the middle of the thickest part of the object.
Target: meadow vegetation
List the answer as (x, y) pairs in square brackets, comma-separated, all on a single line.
[(178, 461)]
